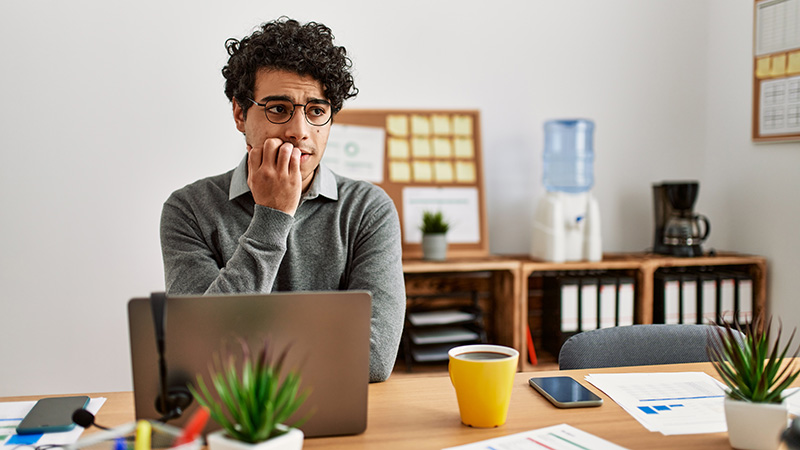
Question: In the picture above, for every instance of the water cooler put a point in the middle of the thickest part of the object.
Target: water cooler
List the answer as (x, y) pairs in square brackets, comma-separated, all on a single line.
[(566, 226)]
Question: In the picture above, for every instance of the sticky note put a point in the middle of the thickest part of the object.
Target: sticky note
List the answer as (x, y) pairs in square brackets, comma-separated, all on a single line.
[(422, 171), (399, 172), (421, 148), (442, 148), (397, 125), (420, 126), (465, 172), (793, 65), (463, 148), (778, 66), (762, 67), (441, 124), (443, 172), (462, 125), (398, 148)]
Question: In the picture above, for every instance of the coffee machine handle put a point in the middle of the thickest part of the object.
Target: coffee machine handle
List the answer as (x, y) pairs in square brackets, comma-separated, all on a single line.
[(704, 219)]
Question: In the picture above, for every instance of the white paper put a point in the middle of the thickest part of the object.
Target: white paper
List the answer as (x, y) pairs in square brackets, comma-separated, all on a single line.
[(779, 106), (671, 403), (792, 400), (459, 206), (777, 26), (12, 413), (439, 317), (356, 152), (557, 437)]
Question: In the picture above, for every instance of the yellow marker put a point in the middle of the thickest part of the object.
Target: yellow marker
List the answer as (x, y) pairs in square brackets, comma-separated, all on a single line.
[(143, 431)]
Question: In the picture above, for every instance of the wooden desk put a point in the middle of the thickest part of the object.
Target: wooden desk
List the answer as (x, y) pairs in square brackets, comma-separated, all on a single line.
[(422, 413)]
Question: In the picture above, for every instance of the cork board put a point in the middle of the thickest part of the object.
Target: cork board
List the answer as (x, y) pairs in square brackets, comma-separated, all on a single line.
[(776, 71), (425, 160)]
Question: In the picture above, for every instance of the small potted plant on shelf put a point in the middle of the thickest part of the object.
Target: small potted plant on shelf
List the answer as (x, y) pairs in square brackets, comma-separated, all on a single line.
[(756, 372), (255, 399), (434, 235)]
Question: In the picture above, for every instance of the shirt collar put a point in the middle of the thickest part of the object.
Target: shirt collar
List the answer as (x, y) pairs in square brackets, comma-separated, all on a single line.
[(324, 183)]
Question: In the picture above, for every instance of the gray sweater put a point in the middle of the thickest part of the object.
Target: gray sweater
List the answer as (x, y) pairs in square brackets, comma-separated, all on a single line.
[(345, 235)]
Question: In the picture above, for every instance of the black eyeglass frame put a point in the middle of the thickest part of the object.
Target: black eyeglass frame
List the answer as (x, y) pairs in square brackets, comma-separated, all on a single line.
[(294, 108)]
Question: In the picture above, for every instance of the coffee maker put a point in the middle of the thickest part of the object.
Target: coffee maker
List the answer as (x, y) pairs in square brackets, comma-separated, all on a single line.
[(679, 231)]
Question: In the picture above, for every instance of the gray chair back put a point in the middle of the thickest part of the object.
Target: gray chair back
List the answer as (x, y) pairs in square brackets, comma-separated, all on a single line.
[(636, 345)]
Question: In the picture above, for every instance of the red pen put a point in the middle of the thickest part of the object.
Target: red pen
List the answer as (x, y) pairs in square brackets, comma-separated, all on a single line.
[(193, 428)]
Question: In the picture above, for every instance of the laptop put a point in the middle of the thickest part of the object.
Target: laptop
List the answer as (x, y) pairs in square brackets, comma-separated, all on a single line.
[(328, 334)]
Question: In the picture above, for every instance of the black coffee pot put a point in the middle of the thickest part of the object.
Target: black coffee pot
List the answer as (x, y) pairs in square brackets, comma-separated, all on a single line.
[(678, 231)]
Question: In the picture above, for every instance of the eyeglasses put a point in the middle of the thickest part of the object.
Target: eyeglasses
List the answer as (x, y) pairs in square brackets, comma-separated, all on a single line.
[(317, 112)]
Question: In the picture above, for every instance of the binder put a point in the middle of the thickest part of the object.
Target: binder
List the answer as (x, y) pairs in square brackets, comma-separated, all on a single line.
[(688, 296), (588, 303), (707, 292), (625, 297), (666, 298), (608, 302), (744, 298), (726, 292), (569, 289), (560, 308), (672, 295), (531, 350)]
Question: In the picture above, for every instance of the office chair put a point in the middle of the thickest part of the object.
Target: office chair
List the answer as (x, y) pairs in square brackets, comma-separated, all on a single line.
[(636, 345)]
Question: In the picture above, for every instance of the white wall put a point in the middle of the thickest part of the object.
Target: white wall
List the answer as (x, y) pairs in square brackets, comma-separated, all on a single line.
[(106, 107), (750, 191)]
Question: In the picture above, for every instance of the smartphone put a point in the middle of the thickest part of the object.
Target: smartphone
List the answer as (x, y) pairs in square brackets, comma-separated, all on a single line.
[(52, 414), (564, 392)]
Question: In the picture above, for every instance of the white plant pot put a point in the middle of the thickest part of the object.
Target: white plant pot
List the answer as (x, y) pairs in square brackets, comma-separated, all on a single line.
[(755, 426), (434, 246), (291, 440)]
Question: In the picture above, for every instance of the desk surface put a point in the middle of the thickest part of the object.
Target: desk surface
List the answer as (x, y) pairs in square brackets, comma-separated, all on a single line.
[(422, 412)]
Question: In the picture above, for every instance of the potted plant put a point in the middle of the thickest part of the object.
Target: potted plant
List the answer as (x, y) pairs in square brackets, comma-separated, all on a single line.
[(254, 400), (434, 235), (756, 371)]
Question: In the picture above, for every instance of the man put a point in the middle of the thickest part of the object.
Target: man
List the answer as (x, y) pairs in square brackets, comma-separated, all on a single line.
[(281, 221)]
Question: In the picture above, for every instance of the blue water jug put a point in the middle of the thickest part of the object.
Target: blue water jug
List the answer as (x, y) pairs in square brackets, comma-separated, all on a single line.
[(568, 155)]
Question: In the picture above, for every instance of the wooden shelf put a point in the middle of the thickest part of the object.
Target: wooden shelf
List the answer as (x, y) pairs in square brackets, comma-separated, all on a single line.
[(644, 266), (499, 279), (506, 279)]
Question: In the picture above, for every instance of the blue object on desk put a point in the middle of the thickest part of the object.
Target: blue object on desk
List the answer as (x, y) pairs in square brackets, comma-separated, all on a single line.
[(24, 439)]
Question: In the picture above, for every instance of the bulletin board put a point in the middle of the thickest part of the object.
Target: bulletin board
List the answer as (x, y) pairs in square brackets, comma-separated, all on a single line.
[(776, 71), (426, 160)]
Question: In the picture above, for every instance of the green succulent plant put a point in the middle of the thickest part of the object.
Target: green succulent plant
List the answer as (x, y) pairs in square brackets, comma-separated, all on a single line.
[(255, 396), (754, 368), (433, 222)]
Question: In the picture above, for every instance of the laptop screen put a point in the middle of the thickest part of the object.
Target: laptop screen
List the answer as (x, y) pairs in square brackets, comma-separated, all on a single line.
[(328, 334)]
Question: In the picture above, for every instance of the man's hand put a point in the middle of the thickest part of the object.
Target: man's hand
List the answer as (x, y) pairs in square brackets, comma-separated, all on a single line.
[(274, 175)]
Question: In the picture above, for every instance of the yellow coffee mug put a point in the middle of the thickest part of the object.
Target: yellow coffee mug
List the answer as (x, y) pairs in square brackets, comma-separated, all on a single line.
[(483, 376)]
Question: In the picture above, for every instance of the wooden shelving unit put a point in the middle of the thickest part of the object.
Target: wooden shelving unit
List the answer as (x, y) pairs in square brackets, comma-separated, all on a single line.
[(505, 283), (643, 266), (495, 277)]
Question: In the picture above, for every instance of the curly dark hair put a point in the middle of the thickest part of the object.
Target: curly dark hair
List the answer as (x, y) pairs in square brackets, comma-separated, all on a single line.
[(285, 44)]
